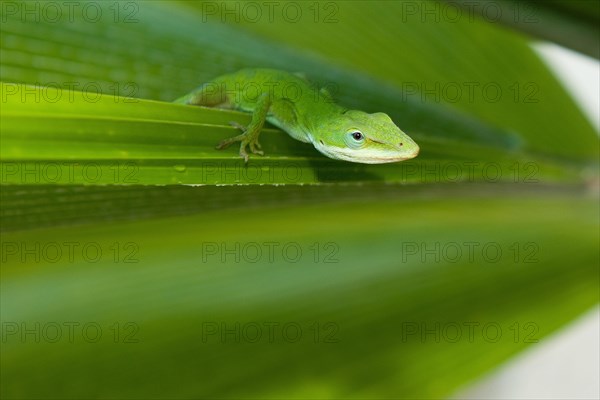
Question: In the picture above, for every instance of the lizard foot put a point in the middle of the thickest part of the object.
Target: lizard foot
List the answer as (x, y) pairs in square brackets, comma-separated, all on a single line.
[(246, 139)]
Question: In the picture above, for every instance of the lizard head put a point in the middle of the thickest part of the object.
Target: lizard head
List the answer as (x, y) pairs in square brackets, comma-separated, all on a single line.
[(364, 138)]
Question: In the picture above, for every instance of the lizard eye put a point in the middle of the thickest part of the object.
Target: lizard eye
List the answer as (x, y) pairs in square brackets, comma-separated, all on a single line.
[(358, 136), (354, 139)]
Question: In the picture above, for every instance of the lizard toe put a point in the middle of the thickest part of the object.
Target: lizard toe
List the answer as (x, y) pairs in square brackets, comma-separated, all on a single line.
[(237, 125)]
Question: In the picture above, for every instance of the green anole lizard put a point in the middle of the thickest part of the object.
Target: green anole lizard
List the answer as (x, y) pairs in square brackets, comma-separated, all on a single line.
[(307, 114)]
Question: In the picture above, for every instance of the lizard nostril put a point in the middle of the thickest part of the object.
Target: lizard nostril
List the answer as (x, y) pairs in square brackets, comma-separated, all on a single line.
[(401, 144)]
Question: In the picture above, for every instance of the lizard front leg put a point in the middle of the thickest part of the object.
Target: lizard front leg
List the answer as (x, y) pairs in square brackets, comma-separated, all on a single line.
[(252, 131)]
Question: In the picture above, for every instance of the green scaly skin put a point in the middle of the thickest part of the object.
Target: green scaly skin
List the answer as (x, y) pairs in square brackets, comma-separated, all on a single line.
[(306, 113)]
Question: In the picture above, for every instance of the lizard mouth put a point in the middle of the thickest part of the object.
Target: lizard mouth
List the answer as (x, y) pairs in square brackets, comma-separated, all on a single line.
[(365, 156), (379, 158)]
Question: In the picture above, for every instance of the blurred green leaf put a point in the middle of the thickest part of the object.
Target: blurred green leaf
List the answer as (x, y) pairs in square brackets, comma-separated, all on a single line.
[(360, 275), (571, 23)]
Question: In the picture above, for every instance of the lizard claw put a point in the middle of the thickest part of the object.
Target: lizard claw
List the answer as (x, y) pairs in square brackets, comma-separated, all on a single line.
[(243, 153), (237, 125), (255, 148), (223, 144)]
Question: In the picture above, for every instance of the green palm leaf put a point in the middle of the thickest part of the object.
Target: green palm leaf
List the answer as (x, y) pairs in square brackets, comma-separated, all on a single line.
[(118, 213)]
